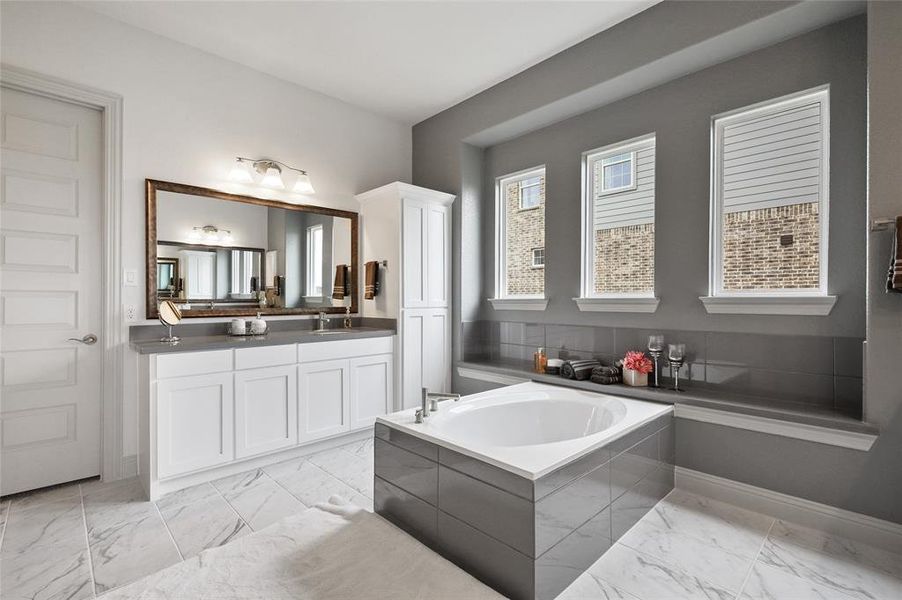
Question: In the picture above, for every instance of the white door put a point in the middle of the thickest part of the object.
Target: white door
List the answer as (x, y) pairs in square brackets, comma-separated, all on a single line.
[(200, 274), (371, 389), (266, 410), (195, 423), (50, 291), (438, 254), (426, 351), (323, 396)]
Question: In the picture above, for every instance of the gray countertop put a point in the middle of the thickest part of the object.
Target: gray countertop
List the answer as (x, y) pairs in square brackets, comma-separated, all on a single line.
[(197, 343)]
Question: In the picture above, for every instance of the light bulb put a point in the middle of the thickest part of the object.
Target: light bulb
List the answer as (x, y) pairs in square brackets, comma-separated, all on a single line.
[(241, 173), (273, 178), (303, 185)]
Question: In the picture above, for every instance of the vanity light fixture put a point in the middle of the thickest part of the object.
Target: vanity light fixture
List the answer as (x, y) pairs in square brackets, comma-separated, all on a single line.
[(271, 173), (209, 234)]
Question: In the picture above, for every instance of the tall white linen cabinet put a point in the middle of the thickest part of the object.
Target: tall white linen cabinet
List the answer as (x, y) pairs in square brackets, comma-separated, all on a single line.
[(410, 228)]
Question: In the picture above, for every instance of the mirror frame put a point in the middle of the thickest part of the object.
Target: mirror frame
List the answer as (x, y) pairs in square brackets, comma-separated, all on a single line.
[(152, 186)]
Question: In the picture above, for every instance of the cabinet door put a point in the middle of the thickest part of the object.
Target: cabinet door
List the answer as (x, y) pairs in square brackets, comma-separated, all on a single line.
[(413, 255), (425, 353), (195, 423), (371, 389), (438, 255), (266, 410), (323, 397)]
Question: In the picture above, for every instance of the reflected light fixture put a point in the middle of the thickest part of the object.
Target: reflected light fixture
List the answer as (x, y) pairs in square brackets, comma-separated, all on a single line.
[(209, 234), (271, 173)]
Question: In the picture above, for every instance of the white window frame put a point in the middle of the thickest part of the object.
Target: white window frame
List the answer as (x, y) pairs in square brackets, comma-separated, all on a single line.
[(588, 299), (311, 267), (810, 301), (503, 300), (623, 188), (536, 265), (523, 187)]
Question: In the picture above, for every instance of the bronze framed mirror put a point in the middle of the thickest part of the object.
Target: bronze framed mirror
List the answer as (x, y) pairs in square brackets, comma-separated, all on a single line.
[(216, 254)]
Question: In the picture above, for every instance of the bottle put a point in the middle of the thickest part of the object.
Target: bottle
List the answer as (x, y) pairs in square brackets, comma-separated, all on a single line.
[(540, 361)]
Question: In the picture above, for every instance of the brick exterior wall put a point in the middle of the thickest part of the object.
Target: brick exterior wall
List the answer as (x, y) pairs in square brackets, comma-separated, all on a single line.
[(625, 259), (753, 257), (525, 231)]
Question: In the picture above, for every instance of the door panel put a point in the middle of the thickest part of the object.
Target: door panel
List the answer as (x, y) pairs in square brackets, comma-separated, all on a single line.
[(413, 223), (371, 389), (50, 291), (195, 422), (323, 396), (266, 416), (413, 328), (437, 350), (438, 255)]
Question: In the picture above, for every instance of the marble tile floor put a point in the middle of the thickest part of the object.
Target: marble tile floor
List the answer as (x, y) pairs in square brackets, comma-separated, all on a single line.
[(79, 541)]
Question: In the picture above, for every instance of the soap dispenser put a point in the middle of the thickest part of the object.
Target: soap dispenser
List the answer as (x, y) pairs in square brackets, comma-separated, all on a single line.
[(258, 325), (347, 317)]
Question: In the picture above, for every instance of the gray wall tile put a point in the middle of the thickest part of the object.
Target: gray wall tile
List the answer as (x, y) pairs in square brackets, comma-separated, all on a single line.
[(561, 512), (552, 481), (629, 467), (560, 565), (407, 442), (495, 564), (848, 356), (497, 513), (805, 354), (847, 396), (411, 472), (629, 508), (507, 481), (634, 437), (406, 511)]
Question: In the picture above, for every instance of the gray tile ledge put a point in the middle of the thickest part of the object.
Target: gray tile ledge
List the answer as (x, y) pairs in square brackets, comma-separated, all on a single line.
[(275, 338), (781, 411)]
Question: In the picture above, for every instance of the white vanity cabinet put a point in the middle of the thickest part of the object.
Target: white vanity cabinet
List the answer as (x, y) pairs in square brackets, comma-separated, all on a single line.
[(207, 414)]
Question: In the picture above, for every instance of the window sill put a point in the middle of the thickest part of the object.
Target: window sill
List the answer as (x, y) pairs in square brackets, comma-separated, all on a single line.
[(519, 303), (637, 304), (769, 305)]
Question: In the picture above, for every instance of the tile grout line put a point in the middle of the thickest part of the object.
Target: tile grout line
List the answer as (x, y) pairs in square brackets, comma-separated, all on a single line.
[(671, 565), (9, 510), (84, 520), (169, 532), (232, 508), (748, 574)]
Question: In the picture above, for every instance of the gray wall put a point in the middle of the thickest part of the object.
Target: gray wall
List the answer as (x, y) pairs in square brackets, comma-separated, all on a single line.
[(679, 113), (866, 482)]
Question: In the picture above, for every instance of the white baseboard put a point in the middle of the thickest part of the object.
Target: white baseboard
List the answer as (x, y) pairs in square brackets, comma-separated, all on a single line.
[(838, 521), (128, 466)]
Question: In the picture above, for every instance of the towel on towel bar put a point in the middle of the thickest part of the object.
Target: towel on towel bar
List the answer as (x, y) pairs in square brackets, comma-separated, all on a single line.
[(578, 369), (894, 277), (340, 287), (371, 283)]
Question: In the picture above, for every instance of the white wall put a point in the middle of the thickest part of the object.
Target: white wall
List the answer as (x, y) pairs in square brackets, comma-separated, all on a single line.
[(187, 114), (177, 214)]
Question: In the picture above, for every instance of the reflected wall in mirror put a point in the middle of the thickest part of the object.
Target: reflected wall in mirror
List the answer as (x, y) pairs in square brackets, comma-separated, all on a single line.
[(220, 254)]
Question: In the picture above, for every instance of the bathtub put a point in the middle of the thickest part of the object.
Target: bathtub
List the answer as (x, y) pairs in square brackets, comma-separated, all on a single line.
[(526, 486), (529, 429)]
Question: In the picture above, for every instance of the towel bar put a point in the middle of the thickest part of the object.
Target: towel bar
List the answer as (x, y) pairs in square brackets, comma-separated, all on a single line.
[(882, 224)]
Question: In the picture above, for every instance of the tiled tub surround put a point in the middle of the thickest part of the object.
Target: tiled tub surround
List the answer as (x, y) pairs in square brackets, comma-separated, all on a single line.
[(822, 373), (526, 538)]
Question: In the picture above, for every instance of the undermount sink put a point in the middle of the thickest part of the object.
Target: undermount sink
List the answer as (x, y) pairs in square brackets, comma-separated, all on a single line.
[(331, 331)]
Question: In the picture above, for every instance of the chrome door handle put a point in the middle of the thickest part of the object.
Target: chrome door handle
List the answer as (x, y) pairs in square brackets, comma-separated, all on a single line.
[(88, 340)]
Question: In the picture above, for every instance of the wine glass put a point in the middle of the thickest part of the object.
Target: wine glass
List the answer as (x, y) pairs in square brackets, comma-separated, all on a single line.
[(656, 349), (676, 354)]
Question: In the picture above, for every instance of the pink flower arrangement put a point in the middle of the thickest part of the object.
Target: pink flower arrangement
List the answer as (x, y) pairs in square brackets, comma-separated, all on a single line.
[(637, 361)]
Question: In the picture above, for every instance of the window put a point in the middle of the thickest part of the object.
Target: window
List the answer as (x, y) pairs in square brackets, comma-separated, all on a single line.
[(618, 173), (538, 257), (531, 192), (619, 222), (315, 260), (769, 198), (520, 236)]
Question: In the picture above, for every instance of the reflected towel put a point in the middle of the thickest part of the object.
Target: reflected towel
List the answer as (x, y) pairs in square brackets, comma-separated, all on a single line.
[(578, 369), (371, 283), (894, 278), (340, 286)]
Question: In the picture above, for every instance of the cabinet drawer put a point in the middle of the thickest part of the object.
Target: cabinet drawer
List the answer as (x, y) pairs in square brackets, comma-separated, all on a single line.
[(180, 364), (344, 349), (267, 356)]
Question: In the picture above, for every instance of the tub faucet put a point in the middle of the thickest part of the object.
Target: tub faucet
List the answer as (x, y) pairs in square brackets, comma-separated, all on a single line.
[(431, 399)]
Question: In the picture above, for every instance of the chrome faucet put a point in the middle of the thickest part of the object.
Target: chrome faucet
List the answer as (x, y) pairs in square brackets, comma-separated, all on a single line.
[(430, 402), (323, 321)]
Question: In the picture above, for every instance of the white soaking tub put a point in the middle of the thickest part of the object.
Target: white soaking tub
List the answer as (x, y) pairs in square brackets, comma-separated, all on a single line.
[(530, 428)]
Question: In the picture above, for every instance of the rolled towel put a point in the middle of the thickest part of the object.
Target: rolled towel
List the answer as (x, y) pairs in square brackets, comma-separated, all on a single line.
[(578, 369), (605, 379), (605, 371)]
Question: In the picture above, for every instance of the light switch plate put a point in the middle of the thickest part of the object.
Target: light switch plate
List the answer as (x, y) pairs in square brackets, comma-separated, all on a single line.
[(130, 277)]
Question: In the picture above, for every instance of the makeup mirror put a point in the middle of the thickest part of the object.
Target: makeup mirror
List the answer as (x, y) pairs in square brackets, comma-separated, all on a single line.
[(169, 315)]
